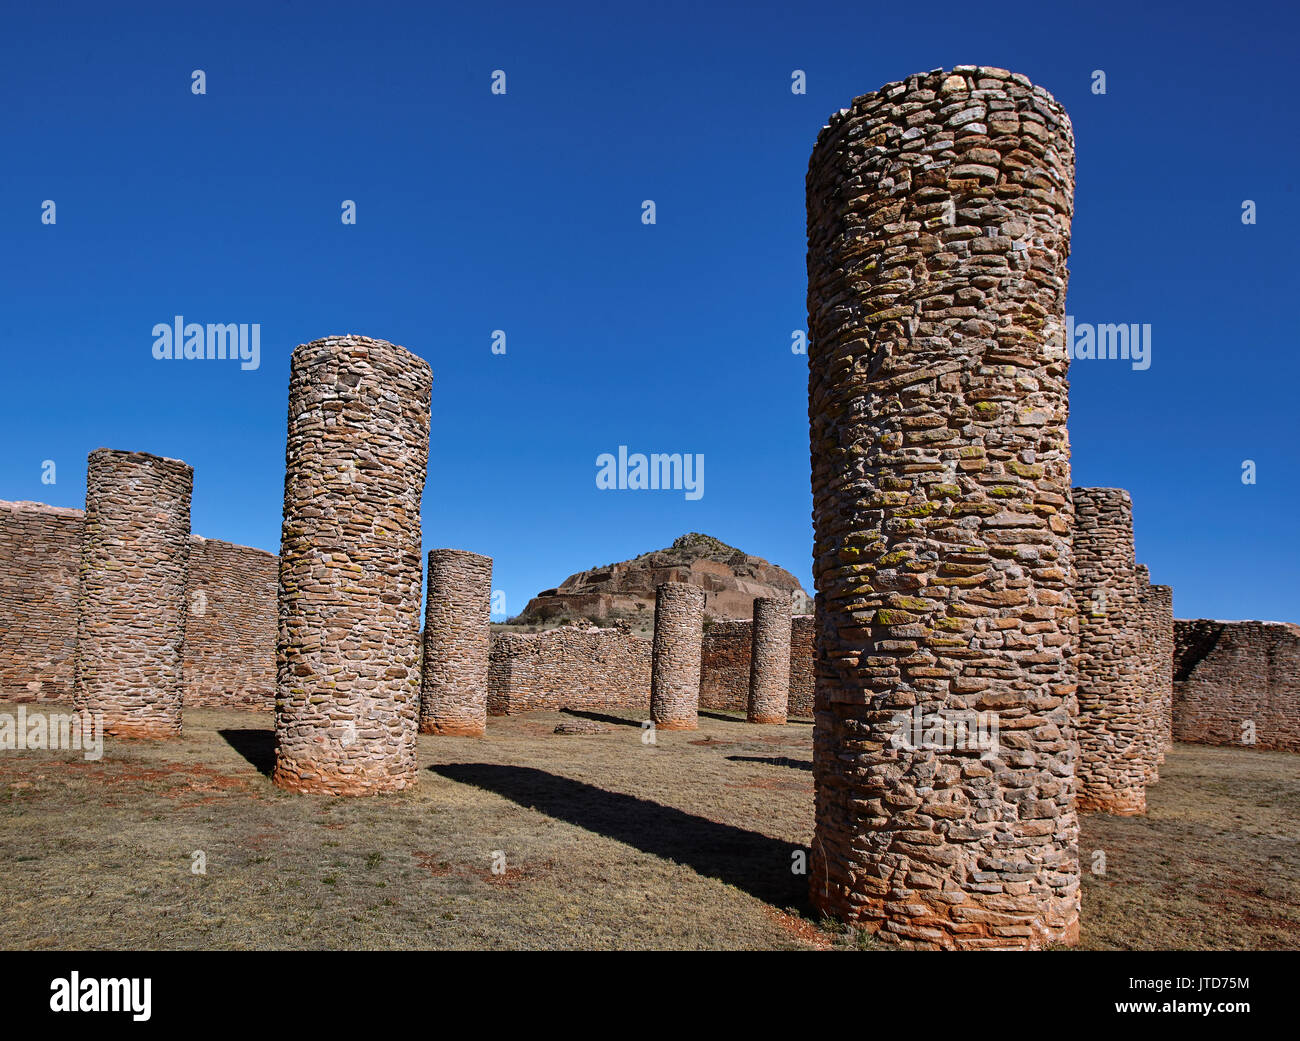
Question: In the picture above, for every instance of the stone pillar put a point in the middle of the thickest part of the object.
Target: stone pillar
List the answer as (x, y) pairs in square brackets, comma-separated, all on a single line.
[(453, 698), (675, 662), (131, 595), (938, 230), (348, 657), (1148, 645), (769, 661), (1112, 723), (1163, 623)]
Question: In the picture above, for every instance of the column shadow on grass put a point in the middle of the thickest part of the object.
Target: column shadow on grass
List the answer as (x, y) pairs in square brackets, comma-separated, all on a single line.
[(601, 717), (257, 746), (781, 760), (750, 861)]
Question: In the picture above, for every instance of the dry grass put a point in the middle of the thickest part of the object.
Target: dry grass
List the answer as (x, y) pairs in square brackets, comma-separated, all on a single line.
[(607, 843)]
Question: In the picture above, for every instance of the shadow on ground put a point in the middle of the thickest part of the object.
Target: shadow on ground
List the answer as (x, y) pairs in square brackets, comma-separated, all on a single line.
[(750, 861), (257, 746), (779, 760)]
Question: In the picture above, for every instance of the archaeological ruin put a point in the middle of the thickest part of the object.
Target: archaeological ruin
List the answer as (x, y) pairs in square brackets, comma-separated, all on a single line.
[(135, 546), (348, 691), (1115, 764), (675, 656), (769, 662), (938, 230), (725, 666), (454, 692)]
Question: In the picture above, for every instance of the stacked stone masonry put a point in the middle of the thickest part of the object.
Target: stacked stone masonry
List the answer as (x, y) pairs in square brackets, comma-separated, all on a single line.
[(40, 560), (454, 692), (725, 668), (1162, 612), (577, 668), (938, 230), (1155, 636), (348, 653), (230, 627), (1237, 683), (675, 662), (131, 605), (1115, 723), (769, 675)]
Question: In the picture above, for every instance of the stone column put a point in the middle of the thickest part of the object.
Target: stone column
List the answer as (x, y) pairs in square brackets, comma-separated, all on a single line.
[(938, 230), (769, 661), (1113, 723), (675, 662), (1148, 645), (348, 656), (453, 699), (1163, 622), (131, 595)]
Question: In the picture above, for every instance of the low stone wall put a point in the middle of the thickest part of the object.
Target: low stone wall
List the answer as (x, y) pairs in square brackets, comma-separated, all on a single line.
[(724, 674), (40, 554), (1235, 680), (577, 668), (230, 630)]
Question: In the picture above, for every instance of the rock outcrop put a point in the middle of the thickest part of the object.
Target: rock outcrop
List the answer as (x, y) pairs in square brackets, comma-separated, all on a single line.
[(731, 580)]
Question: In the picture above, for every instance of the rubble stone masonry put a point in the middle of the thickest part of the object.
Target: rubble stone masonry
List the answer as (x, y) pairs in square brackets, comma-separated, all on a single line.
[(1162, 620), (453, 697), (675, 665), (1114, 725), (1237, 680), (1157, 666), (131, 605), (938, 230), (578, 668), (724, 666), (348, 654), (769, 669), (230, 625), (40, 560)]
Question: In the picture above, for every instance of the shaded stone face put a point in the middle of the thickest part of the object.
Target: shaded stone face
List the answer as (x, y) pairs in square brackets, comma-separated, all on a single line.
[(675, 661), (348, 653), (453, 698), (1156, 648), (769, 661), (1163, 622), (1115, 723), (131, 604), (938, 230)]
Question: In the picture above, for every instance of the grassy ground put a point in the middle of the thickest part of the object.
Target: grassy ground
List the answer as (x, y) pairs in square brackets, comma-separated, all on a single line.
[(600, 841)]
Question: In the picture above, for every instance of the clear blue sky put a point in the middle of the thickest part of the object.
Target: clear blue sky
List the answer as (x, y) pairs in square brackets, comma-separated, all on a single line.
[(522, 212)]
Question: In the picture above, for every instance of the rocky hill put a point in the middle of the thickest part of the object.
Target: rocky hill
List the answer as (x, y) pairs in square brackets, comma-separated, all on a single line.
[(625, 591)]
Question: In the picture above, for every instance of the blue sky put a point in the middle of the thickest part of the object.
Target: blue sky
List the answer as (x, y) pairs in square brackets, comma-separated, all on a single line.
[(522, 212)]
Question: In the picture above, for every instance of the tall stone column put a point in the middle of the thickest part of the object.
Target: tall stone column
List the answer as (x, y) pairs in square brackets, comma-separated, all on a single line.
[(1163, 623), (675, 661), (453, 699), (938, 230), (131, 596), (1149, 648), (769, 661), (348, 658), (1113, 721)]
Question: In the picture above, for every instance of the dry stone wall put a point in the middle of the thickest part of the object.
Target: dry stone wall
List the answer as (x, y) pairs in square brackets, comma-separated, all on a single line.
[(1162, 615), (938, 230), (1114, 725), (348, 653), (581, 668), (40, 559), (131, 603), (454, 692), (769, 667), (1155, 639), (230, 625), (724, 666), (675, 662), (1237, 680)]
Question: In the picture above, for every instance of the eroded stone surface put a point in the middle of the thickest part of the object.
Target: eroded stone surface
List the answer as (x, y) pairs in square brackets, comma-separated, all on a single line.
[(938, 230), (348, 661), (131, 602)]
